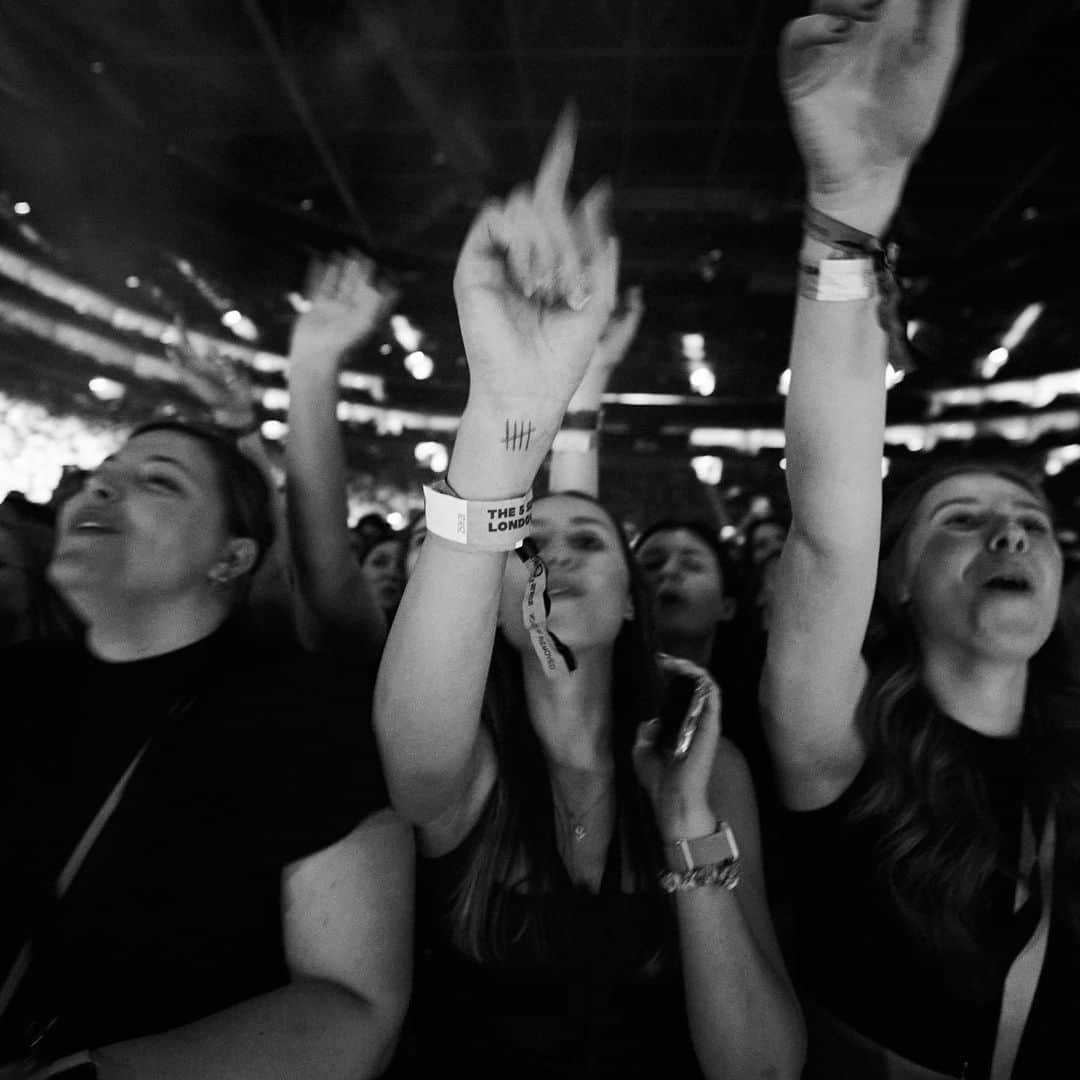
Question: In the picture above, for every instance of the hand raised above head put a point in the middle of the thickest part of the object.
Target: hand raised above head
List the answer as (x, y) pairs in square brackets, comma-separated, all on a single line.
[(344, 307), (218, 381), (535, 285), (621, 330), (865, 84)]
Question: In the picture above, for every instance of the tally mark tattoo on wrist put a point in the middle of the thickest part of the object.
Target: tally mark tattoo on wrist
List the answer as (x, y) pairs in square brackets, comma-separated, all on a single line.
[(518, 435)]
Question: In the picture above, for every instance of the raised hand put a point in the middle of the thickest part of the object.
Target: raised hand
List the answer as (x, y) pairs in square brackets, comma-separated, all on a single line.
[(535, 285), (218, 381), (679, 788), (610, 350), (344, 307), (620, 331), (865, 84)]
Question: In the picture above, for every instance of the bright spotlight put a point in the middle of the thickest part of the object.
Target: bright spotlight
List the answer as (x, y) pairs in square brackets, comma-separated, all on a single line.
[(107, 389), (408, 337), (702, 381), (708, 469), (432, 455), (419, 365), (693, 346)]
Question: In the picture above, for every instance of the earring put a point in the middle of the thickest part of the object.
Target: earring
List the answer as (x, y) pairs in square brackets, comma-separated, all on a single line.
[(219, 576)]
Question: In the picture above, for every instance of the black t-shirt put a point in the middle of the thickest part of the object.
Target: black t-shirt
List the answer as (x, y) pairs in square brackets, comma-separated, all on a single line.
[(255, 759), (858, 959), (602, 996)]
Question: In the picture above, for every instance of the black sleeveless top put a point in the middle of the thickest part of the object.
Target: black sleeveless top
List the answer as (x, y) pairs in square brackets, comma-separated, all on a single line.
[(858, 959), (603, 996)]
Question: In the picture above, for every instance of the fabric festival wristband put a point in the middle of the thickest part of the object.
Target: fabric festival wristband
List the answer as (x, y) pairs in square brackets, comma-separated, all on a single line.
[(838, 279), (493, 525), (837, 235), (852, 245), (554, 656)]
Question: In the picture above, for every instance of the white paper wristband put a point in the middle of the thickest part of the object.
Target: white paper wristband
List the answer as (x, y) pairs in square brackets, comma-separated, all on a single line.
[(494, 525), (839, 279)]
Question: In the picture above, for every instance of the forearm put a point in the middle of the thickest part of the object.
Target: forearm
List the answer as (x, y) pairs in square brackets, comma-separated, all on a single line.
[(575, 466), (744, 1019), (333, 587), (575, 470), (431, 679), (835, 418), (427, 714), (311, 1029)]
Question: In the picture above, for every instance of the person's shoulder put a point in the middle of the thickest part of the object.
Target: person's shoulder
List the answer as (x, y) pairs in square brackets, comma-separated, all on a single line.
[(303, 726), (291, 709)]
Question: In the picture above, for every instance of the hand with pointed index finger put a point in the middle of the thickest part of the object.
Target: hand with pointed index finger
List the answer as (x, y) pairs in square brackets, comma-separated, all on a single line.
[(865, 83), (535, 284)]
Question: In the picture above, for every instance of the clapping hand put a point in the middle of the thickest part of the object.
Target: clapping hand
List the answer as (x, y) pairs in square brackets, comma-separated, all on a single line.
[(865, 84), (344, 307), (535, 285)]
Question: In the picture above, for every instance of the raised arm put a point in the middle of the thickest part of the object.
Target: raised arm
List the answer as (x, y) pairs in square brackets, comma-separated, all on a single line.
[(534, 286), (575, 455), (864, 89), (345, 307)]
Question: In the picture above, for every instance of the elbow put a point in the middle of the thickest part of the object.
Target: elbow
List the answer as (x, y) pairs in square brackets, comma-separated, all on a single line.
[(778, 1063), (361, 1031)]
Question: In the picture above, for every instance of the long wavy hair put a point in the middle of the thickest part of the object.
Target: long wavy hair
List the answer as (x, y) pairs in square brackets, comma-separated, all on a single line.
[(940, 844), (518, 825)]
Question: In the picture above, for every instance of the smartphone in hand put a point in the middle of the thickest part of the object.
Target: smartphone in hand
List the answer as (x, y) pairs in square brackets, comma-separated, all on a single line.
[(680, 716)]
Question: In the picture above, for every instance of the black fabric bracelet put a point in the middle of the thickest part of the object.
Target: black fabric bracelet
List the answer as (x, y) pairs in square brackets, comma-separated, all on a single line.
[(582, 420), (838, 235)]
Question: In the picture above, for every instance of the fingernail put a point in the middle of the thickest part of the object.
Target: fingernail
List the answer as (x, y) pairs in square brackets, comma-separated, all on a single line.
[(579, 296), (840, 25)]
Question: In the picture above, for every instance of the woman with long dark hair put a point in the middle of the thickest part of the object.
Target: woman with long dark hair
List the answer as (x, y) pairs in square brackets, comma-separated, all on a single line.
[(550, 818), (922, 737)]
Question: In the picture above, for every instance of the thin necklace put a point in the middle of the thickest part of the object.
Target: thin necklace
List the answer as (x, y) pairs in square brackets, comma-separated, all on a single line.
[(578, 829)]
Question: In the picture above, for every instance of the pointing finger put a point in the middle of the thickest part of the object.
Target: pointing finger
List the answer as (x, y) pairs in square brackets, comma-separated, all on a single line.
[(554, 173)]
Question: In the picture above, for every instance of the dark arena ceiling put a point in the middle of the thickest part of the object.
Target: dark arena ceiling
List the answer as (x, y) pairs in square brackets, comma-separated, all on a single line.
[(185, 159)]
